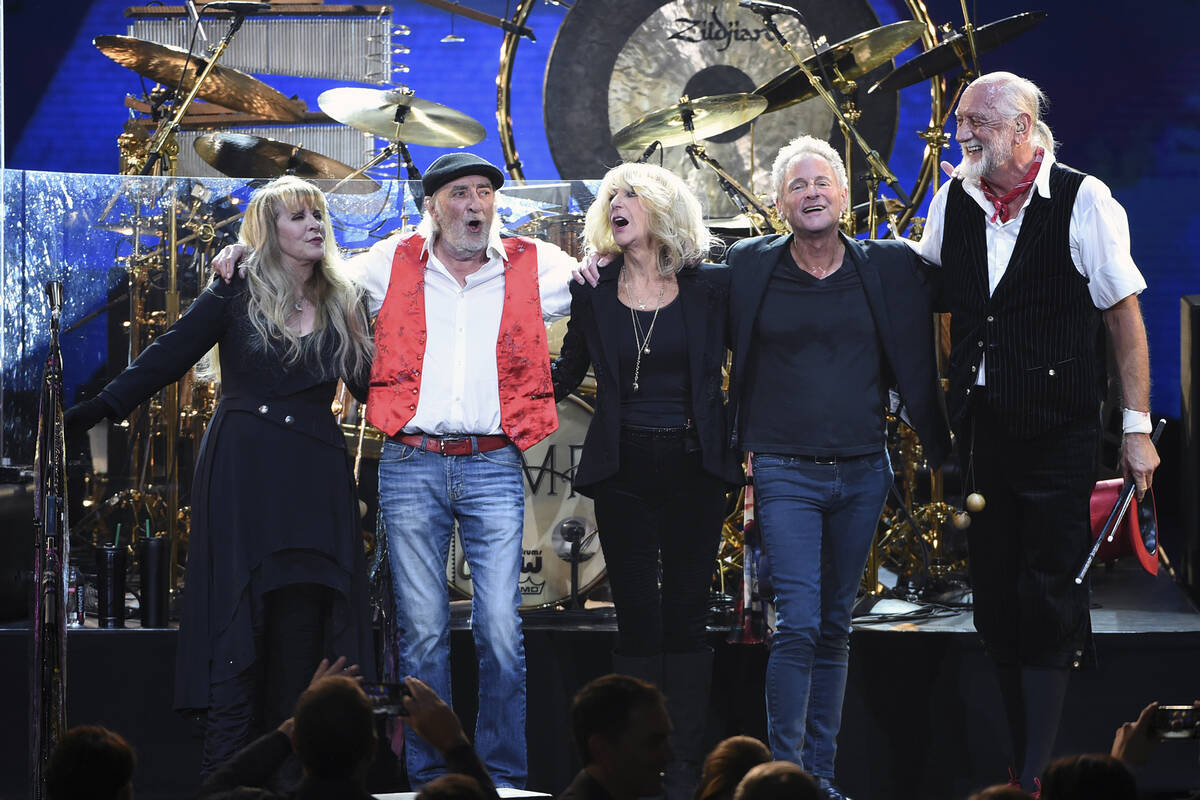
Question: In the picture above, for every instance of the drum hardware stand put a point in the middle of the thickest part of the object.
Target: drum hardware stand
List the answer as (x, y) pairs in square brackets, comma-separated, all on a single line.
[(878, 168), (163, 140), (397, 146), (392, 149), (47, 700), (574, 532), (758, 214)]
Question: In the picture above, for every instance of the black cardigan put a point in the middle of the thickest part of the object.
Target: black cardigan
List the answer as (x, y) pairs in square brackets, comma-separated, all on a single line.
[(590, 340)]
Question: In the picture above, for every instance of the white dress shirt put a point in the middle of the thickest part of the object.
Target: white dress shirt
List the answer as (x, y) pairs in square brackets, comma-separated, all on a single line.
[(459, 386), (1099, 238)]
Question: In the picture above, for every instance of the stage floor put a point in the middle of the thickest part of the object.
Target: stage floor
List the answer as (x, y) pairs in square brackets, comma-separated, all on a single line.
[(922, 716)]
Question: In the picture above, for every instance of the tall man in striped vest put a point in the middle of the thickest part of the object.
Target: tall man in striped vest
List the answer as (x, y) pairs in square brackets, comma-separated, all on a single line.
[(1036, 266), (461, 385)]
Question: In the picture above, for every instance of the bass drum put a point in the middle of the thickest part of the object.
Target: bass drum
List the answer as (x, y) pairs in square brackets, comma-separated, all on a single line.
[(552, 508)]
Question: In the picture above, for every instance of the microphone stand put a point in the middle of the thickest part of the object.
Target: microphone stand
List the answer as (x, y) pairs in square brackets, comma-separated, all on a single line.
[(879, 169), (47, 700), (166, 130), (759, 216)]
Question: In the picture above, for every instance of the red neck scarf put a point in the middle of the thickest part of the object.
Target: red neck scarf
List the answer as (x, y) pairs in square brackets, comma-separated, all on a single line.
[(1001, 202)]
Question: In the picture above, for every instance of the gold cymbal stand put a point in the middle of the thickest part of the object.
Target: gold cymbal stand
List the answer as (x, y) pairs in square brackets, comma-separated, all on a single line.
[(760, 216), (879, 168)]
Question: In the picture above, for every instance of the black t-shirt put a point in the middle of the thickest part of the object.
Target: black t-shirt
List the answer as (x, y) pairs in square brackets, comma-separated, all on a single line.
[(814, 383), (664, 397)]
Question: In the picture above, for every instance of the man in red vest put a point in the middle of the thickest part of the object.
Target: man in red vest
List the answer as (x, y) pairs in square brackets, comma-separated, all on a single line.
[(460, 385)]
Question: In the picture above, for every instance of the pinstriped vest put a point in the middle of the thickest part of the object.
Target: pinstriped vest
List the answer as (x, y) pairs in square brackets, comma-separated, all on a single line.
[(1040, 329)]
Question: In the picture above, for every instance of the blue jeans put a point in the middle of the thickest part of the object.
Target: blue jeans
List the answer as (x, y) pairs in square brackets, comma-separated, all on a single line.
[(421, 494), (818, 523)]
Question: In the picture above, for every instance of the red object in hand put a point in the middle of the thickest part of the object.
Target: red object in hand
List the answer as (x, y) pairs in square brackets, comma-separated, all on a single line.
[(1138, 533)]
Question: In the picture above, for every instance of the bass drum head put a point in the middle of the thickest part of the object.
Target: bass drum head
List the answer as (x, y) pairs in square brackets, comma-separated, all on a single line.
[(614, 62), (553, 513)]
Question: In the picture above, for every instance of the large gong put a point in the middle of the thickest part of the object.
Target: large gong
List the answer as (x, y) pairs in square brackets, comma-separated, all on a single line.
[(613, 62)]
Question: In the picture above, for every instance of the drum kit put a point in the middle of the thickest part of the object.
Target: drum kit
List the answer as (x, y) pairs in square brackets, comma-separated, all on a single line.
[(560, 527)]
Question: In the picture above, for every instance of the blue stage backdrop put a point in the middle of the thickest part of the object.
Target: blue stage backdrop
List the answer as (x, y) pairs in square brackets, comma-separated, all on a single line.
[(1124, 83)]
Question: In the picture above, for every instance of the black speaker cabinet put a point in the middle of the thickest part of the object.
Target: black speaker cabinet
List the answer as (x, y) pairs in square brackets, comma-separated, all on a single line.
[(1189, 379)]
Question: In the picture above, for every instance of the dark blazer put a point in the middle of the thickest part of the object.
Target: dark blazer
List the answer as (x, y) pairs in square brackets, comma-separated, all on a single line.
[(590, 339), (900, 295)]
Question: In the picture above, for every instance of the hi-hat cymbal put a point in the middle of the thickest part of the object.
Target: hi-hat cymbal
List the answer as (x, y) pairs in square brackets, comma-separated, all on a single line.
[(423, 122), (240, 155), (711, 116), (955, 50), (224, 86), (853, 58)]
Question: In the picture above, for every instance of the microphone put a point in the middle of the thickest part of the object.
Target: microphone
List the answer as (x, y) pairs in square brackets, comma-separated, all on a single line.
[(54, 291), (649, 151), (769, 9), (243, 7)]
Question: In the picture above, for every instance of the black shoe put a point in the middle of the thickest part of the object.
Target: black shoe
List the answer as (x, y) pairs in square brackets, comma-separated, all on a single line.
[(829, 791)]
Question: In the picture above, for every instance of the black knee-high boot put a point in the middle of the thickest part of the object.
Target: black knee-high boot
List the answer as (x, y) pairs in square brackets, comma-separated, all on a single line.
[(688, 678), (1013, 699), (1044, 692)]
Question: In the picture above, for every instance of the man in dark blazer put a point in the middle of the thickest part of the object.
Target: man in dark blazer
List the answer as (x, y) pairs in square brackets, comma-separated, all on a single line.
[(822, 328)]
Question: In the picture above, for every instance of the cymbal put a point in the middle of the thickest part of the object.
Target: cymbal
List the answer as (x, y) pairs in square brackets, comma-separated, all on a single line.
[(240, 155), (227, 87), (425, 122), (711, 116), (945, 56), (853, 57)]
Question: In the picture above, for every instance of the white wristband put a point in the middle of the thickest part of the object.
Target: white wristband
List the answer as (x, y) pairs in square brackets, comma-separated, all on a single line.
[(1135, 421)]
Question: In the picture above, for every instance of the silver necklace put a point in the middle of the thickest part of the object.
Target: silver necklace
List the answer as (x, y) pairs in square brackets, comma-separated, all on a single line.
[(641, 304), (642, 341)]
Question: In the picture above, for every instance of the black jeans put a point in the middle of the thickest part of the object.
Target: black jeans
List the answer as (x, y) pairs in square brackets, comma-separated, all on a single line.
[(291, 638), (662, 503), (1030, 540)]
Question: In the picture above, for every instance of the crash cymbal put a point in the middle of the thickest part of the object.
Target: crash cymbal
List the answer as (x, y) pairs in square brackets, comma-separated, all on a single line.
[(955, 50), (240, 155), (224, 86), (424, 122), (711, 116), (853, 58)]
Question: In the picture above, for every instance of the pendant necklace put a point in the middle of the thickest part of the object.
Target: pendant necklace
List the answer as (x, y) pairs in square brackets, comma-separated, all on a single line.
[(641, 341)]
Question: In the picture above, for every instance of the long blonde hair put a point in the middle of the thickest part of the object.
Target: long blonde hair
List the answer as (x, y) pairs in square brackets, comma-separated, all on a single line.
[(339, 312), (673, 215)]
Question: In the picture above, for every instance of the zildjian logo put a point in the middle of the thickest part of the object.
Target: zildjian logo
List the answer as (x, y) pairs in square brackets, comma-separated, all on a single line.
[(717, 30)]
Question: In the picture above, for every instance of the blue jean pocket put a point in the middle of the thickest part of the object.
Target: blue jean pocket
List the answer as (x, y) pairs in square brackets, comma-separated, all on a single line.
[(508, 456), (395, 453)]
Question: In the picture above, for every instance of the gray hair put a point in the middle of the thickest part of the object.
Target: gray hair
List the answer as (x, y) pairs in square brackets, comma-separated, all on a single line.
[(428, 226), (803, 146), (1012, 96)]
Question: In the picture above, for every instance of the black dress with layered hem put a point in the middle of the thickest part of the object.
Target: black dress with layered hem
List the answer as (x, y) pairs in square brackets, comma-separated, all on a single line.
[(273, 503)]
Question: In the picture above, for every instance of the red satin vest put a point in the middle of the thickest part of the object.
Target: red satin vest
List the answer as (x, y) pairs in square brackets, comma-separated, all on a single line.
[(527, 410)]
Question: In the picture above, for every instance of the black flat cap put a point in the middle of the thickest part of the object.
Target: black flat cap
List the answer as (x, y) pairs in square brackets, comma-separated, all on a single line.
[(454, 165)]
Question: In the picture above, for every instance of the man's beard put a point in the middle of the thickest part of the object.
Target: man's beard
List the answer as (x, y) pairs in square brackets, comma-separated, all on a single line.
[(462, 240), (994, 153)]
